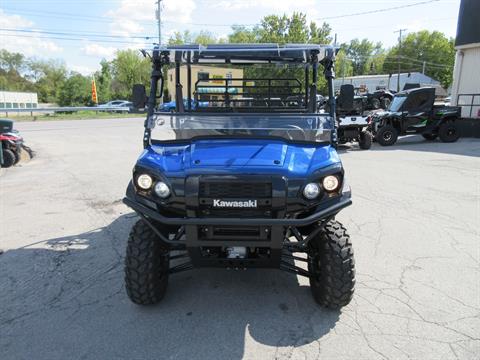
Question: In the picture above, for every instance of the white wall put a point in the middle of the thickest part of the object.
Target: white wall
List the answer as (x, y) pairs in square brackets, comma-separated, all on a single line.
[(466, 80), (12, 99)]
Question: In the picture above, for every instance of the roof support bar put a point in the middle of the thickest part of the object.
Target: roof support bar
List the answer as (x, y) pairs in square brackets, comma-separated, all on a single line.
[(329, 65), (189, 82)]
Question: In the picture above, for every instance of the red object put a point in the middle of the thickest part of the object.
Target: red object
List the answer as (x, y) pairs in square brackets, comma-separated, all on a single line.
[(10, 137)]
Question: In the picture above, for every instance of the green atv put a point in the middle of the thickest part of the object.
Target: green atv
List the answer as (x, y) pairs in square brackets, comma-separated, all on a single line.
[(413, 111)]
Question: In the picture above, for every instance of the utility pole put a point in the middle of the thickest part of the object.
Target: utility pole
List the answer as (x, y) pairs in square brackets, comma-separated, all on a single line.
[(399, 56), (423, 68), (159, 18)]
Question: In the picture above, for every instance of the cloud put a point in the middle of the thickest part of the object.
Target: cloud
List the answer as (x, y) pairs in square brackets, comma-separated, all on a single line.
[(13, 21), (27, 43), (82, 69), (136, 17), (94, 49), (273, 6)]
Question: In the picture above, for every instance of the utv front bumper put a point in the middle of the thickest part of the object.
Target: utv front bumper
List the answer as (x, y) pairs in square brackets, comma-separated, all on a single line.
[(213, 241), (321, 213)]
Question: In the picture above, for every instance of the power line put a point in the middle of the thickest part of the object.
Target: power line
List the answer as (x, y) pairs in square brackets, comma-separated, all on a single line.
[(73, 39), (389, 58), (101, 19), (426, 62), (76, 34), (378, 10), (72, 17)]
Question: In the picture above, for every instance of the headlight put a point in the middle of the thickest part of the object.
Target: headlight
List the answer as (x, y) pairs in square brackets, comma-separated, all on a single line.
[(162, 190), (311, 191), (330, 183), (144, 181)]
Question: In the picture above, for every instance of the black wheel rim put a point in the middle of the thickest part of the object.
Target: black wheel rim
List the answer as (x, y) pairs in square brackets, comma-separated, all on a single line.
[(387, 135)]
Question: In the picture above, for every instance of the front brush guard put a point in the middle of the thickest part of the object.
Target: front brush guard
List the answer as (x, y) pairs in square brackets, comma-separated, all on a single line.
[(151, 216)]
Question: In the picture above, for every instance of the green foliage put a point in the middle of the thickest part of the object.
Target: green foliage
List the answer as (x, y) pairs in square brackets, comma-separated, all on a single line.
[(343, 66), (203, 38), (294, 29), (283, 30), (11, 61), (129, 68), (50, 75), (432, 47), (361, 54), (179, 38), (242, 34), (75, 91), (103, 80), (12, 69)]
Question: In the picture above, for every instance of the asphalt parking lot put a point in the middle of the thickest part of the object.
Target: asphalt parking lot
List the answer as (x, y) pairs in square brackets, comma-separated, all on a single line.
[(63, 229)]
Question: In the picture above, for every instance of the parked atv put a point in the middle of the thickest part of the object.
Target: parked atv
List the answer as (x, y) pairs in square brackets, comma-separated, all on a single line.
[(352, 119), (238, 186), (379, 99), (413, 111), (12, 144)]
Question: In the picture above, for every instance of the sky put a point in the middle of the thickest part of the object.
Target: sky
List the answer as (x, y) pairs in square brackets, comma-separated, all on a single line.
[(82, 32)]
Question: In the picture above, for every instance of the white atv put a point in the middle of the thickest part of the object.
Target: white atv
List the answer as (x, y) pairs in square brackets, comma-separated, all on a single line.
[(352, 122)]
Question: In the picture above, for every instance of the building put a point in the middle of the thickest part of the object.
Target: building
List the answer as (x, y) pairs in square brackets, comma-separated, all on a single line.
[(387, 81), (206, 75), (18, 100), (466, 74)]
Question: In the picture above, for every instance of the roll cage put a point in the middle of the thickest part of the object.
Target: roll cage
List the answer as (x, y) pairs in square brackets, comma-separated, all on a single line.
[(260, 95)]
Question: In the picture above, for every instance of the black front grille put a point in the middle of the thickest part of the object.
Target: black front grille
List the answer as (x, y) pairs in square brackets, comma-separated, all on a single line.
[(264, 212), (235, 190)]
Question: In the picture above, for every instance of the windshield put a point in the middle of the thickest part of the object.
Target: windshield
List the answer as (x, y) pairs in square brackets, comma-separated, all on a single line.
[(397, 102), (298, 128)]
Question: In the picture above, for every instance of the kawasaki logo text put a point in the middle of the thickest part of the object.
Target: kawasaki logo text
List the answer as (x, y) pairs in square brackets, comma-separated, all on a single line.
[(235, 204)]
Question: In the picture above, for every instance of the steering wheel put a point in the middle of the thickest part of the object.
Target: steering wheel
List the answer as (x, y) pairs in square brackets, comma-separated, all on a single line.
[(297, 128)]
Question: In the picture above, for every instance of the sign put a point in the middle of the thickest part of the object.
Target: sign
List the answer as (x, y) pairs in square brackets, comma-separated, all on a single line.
[(220, 81)]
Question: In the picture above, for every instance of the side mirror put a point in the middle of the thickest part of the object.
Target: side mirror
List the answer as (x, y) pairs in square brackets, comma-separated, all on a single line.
[(139, 96), (345, 99)]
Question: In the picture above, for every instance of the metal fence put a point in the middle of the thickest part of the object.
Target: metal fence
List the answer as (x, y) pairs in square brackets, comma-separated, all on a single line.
[(67, 109)]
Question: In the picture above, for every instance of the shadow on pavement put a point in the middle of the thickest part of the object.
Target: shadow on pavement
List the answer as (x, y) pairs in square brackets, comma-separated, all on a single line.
[(64, 298), (464, 146)]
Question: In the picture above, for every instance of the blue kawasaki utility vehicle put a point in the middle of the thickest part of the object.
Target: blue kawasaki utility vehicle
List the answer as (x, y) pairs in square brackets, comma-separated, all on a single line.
[(240, 184)]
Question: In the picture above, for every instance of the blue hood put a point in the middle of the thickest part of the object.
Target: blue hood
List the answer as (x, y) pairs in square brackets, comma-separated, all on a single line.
[(233, 156)]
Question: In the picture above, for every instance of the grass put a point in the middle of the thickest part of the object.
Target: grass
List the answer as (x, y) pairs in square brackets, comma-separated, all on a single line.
[(79, 115)]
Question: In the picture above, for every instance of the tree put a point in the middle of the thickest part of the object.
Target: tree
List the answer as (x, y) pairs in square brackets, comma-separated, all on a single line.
[(75, 91), (343, 65), (320, 35), (361, 52), (103, 80), (12, 61), (49, 76), (129, 68), (179, 38), (282, 30), (12, 69), (242, 34), (203, 37), (433, 48)]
